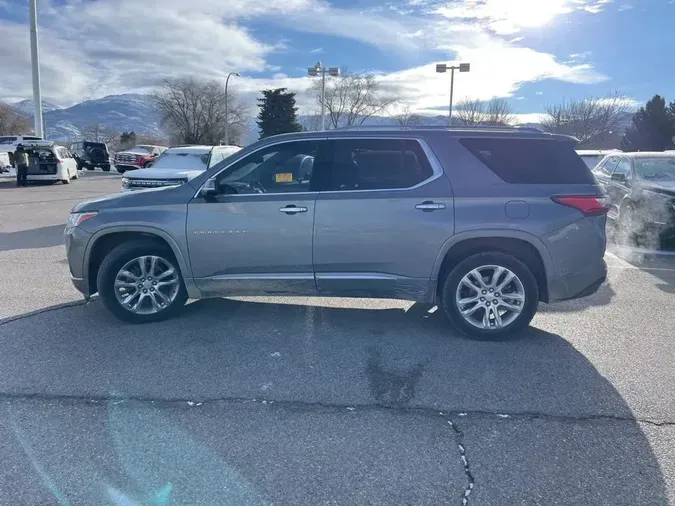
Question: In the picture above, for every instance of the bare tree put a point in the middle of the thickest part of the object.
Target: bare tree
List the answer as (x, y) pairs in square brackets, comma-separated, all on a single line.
[(11, 122), (471, 112), (592, 120), (194, 111), (495, 111), (99, 133), (499, 112), (406, 117), (350, 99)]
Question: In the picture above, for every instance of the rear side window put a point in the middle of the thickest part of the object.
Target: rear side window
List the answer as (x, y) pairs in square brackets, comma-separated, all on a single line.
[(378, 164), (531, 161)]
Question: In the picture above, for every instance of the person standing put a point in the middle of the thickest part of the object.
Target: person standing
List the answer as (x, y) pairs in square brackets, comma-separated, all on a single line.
[(21, 159)]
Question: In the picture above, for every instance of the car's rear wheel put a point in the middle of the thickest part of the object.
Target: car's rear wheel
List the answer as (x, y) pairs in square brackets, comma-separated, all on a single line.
[(106, 168), (490, 296), (141, 282), (121, 170)]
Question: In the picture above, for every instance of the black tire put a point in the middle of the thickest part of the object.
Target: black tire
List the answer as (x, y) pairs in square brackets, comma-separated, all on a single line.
[(449, 288), (106, 168), (121, 170), (111, 265), (65, 181), (89, 167)]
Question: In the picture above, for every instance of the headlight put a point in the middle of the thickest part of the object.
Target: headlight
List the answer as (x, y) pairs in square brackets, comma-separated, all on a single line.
[(76, 218), (125, 182)]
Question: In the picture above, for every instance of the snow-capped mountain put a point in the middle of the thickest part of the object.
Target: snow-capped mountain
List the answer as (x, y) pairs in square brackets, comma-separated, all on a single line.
[(27, 107), (121, 113)]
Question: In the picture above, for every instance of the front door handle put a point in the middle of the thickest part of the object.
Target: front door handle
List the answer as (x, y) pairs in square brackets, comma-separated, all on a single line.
[(429, 206), (292, 209)]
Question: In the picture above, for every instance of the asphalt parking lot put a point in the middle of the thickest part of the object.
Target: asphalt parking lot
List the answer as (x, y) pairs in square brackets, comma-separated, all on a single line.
[(258, 401)]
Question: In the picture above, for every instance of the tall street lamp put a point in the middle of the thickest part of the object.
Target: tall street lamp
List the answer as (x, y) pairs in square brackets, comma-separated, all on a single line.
[(227, 116), (35, 61), (314, 72), (443, 67)]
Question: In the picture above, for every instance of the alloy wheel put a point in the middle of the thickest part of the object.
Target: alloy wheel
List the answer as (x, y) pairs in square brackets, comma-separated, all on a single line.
[(147, 285), (490, 297)]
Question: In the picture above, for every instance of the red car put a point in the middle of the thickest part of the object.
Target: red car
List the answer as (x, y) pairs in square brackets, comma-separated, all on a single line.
[(138, 157)]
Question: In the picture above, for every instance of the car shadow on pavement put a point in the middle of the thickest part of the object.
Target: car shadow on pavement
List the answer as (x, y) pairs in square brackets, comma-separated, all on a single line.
[(541, 425), (44, 237)]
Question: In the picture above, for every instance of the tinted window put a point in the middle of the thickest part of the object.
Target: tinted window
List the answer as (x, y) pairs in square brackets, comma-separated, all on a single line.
[(377, 164), (280, 168), (531, 161), (7, 140)]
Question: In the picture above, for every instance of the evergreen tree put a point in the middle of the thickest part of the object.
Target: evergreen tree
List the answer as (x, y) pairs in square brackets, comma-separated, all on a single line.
[(277, 113), (653, 127)]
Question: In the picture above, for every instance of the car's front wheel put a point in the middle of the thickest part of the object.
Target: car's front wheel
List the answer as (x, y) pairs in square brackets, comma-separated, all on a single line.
[(490, 296), (141, 282)]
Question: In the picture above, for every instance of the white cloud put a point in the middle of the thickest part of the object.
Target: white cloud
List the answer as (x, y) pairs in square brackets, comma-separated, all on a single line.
[(118, 50), (510, 16)]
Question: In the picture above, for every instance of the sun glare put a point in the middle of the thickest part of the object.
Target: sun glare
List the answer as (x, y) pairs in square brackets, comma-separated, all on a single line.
[(531, 13)]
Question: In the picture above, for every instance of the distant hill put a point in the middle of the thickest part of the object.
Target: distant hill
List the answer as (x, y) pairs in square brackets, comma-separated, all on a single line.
[(117, 112)]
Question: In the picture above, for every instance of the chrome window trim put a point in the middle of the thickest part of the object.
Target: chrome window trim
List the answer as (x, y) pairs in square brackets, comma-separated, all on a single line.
[(436, 167)]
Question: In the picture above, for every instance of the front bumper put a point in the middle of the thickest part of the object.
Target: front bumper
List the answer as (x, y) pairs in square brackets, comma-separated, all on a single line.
[(76, 241)]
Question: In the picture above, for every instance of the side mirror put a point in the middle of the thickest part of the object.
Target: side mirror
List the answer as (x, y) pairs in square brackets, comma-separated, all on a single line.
[(209, 190), (621, 178)]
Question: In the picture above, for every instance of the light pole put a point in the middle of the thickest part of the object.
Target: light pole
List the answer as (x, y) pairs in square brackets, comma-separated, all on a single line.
[(314, 72), (443, 67), (227, 118), (35, 61)]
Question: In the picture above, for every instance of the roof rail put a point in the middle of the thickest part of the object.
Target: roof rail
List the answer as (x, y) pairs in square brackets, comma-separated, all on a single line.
[(442, 127)]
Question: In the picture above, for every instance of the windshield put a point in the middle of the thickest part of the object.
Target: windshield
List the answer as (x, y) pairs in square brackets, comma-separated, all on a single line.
[(183, 161), (142, 149), (592, 160), (655, 169)]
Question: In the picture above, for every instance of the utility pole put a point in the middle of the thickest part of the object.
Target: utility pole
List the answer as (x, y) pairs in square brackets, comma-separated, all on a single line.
[(443, 67), (315, 71), (227, 118), (35, 61)]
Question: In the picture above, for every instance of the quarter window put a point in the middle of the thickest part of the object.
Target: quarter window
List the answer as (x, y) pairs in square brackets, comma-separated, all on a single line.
[(377, 164), (281, 168)]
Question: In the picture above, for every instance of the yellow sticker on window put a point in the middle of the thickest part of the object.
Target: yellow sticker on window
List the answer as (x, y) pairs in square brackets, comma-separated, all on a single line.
[(284, 177)]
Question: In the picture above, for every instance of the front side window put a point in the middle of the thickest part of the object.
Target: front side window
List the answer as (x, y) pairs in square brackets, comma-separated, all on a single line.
[(623, 168), (377, 164), (281, 168), (610, 165)]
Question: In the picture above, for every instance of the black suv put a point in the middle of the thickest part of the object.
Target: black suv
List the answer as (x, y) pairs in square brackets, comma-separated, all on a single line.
[(90, 155), (641, 187)]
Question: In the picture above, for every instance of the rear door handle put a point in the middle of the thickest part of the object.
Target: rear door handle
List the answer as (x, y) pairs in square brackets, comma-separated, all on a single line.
[(429, 206), (292, 210)]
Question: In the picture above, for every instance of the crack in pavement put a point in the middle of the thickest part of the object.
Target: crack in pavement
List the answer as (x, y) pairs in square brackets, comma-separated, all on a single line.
[(459, 440), (10, 319), (166, 402)]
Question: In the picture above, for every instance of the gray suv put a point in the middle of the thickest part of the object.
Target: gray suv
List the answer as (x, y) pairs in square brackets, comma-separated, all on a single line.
[(484, 222)]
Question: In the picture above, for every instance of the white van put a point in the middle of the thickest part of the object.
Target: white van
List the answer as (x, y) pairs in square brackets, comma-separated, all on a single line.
[(49, 162)]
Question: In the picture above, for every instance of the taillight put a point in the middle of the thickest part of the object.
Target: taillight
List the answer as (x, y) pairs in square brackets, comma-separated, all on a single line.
[(590, 205)]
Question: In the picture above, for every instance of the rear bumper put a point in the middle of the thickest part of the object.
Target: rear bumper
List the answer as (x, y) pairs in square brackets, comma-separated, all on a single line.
[(578, 284)]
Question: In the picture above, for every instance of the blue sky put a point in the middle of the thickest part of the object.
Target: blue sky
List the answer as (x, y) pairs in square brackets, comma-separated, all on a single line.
[(532, 52)]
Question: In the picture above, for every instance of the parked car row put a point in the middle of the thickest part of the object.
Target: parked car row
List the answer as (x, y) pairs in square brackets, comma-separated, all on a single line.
[(176, 166)]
